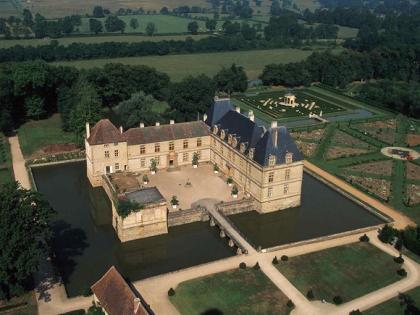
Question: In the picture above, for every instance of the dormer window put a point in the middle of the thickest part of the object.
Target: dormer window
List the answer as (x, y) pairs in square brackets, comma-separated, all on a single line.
[(251, 153), (242, 147), (234, 142), (215, 130), (289, 157), (222, 135), (230, 138), (271, 160)]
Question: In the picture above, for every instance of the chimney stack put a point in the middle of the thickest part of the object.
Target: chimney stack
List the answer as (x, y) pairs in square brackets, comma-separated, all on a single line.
[(275, 134), (121, 129), (204, 117), (157, 124), (172, 122), (136, 304), (238, 109), (251, 115), (273, 124), (87, 130), (141, 125)]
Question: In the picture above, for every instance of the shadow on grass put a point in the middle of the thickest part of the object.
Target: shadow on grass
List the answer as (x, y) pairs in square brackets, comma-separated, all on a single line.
[(212, 311)]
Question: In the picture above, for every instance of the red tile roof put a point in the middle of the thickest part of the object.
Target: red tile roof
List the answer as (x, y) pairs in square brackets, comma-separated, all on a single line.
[(105, 132), (115, 295)]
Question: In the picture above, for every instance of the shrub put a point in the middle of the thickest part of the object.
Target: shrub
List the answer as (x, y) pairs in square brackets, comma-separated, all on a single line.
[(399, 259), (87, 292), (398, 244), (76, 312), (171, 292), (401, 272), (215, 168), (153, 165), (290, 304), (257, 266), (234, 190), (174, 201), (242, 265), (275, 260), (337, 300), (387, 233), (145, 178), (229, 180), (310, 295), (195, 159), (364, 238), (284, 258)]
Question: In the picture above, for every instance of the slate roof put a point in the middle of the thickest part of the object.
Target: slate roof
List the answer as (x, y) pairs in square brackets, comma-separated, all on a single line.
[(146, 196), (162, 133), (105, 132), (274, 141), (115, 295)]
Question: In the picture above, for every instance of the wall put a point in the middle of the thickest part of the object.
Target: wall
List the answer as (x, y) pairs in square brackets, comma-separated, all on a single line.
[(187, 216)]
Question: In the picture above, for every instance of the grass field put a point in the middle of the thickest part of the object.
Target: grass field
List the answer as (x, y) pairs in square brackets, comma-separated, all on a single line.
[(392, 306), (239, 291), (6, 172), (9, 7), (348, 271), (34, 135), (95, 39), (180, 66), (273, 104)]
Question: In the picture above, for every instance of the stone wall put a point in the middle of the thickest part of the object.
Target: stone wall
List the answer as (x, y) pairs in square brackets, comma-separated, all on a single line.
[(187, 216), (237, 206)]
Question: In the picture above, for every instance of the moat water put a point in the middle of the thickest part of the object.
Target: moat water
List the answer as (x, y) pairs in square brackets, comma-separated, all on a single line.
[(85, 244), (323, 211)]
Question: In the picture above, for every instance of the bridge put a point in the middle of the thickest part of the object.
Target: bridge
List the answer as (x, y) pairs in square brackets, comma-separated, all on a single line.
[(226, 229)]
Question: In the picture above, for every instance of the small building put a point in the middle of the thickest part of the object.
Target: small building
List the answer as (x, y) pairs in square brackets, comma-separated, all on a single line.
[(114, 295), (290, 98)]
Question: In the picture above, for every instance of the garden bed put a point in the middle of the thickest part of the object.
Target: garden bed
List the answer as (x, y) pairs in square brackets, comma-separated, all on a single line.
[(378, 168), (413, 193), (335, 152), (376, 186)]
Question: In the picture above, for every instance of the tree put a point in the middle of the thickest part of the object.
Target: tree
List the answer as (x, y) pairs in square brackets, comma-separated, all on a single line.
[(98, 12), (95, 26), (24, 235), (114, 24), (164, 10), (231, 79), (27, 18), (211, 25), (193, 27), (34, 106), (134, 23), (139, 108), (151, 29)]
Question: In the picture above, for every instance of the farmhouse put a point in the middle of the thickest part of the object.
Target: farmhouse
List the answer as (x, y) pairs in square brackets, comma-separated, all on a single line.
[(264, 164)]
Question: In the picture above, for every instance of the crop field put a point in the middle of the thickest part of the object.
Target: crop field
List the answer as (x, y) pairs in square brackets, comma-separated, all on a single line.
[(273, 104), (9, 7), (95, 40)]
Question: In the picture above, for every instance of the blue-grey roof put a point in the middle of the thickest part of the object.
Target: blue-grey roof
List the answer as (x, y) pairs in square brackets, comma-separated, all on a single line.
[(146, 196), (274, 141)]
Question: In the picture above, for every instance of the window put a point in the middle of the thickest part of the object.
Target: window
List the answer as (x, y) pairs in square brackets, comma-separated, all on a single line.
[(117, 166), (142, 149), (116, 153), (271, 160), (270, 177), (251, 153), (107, 154), (199, 142), (287, 174), (106, 145), (157, 147), (171, 146), (157, 159), (270, 191), (185, 157), (289, 157), (185, 144), (285, 189), (143, 162)]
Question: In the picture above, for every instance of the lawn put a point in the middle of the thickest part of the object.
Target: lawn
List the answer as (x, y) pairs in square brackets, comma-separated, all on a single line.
[(392, 306), (180, 66), (35, 135), (233, 292), (348, 271), (6, 172), (119, 38)]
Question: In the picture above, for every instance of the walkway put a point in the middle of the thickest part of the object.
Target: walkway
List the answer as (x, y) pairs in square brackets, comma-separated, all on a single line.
[(50, 293), (400, 220)]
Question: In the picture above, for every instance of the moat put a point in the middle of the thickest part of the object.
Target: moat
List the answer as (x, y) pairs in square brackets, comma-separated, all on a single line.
[(85, 244)]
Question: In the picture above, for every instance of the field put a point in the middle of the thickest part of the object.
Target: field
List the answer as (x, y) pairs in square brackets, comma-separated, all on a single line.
[(6, 172), (239, 291), (95, 39), (180, 66), (273, 104), (392, 306), (34, 136), (348, 271), (9, 7)]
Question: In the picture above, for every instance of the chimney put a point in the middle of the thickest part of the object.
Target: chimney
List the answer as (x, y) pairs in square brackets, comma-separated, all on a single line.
[(157, 124), (87, 130), (141, 125), (273, 124), (136, 304), (238, 109), (204, 117), (275, 134), (121, 129), (251, 115), (172, 122)]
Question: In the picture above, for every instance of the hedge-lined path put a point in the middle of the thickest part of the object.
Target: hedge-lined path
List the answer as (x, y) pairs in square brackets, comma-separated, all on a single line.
[(19, 167)]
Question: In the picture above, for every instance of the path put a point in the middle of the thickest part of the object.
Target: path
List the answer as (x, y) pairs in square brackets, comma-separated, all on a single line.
[(50, 293), (400, 220)]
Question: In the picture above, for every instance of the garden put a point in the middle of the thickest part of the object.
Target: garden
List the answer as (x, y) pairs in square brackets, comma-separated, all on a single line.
[(340, 274), (239, 291)]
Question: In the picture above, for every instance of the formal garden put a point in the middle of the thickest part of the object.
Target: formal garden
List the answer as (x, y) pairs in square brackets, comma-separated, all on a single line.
[(340, 274), (246, 290)]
